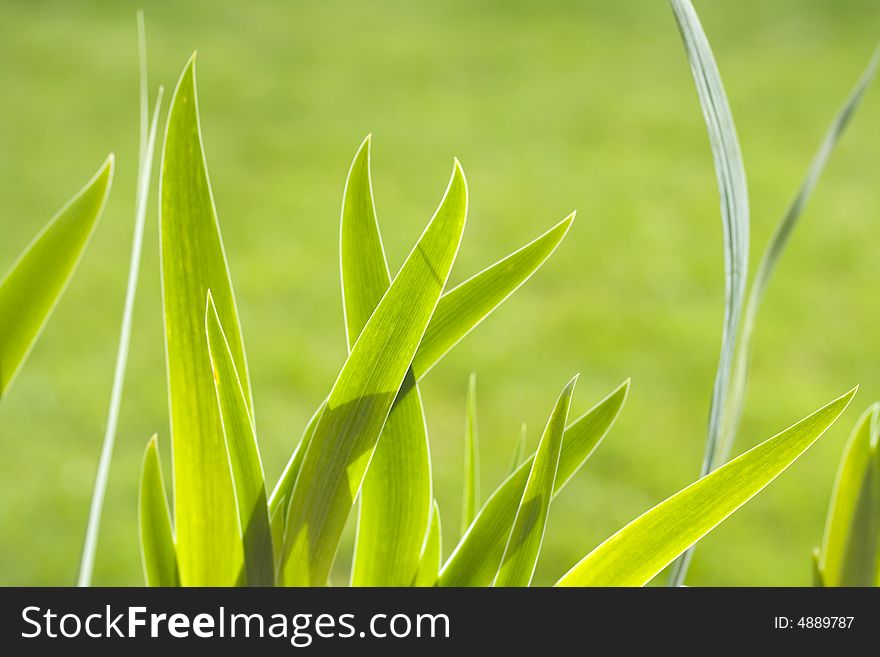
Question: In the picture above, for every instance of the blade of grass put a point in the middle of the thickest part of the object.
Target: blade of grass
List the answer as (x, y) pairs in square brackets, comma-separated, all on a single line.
[(636, 553), (524, 545), (734, 197), (209, 547), (772, 254), (462, 308), (145, 167), (851, 545), (156, 536), (429, 564), (396, 495), (33, 286), (471, 493), (340, 450), (478, 554), (243, 454)]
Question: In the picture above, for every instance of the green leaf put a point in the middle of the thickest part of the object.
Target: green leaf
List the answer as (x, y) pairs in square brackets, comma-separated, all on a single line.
[(734, 216), (31, 289), (818, 575), (209, 546), (471, 494), (851, 546), (636, 553), (476, 558), (395, 501), (465, 306), (772, 254), (345, 438), (156, 536), (148, 131), (429, 564), (243, 456), (524, 545)]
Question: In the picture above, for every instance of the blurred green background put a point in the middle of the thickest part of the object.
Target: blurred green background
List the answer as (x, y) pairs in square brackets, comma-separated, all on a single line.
[(551, 106)]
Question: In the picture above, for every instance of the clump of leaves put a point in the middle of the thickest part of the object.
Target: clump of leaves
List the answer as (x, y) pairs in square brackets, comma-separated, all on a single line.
[(368, 439), (850, 552)]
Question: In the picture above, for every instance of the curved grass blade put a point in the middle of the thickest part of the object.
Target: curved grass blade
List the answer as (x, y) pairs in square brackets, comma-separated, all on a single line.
[(340, 450), (145, 167), (471, 494), (209, 547), (429, 564), (851, 546), (636, 553), (524, 545), (156, 536), (462, 308), (31, 289), (395, 500), (243, 456), (772, 254), (476, 558), (734, 217)]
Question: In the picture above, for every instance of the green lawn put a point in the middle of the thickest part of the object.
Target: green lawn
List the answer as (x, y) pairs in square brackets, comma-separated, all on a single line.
[(551, 106)]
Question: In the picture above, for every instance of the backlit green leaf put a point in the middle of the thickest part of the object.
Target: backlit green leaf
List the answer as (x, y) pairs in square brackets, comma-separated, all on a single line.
[(734, 217), (35, 283), (395, 501), (851, 546), (471, 494), (476, 558), (243, 455), (209, 546), (465, 306), (524, 545), (636, 553), (340, 450), (156, 536)]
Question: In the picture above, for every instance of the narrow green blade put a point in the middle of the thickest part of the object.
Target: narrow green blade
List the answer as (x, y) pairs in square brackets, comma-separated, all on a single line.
[(209, 547), (340, 450), (524, 545), (243, 456), (461, 309), (734, 217), (156, 536), (476, 558), (148, 131), (395, 502), (774, 251), (429, 565), (471, 493), (31, 289), (851, 546), (636, 553)]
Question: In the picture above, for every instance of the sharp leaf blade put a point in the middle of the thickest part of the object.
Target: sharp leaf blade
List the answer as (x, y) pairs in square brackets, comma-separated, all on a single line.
[(31, 289), (243, 455), (636, 553), (209, 547), (524, 545), (158, 555)]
